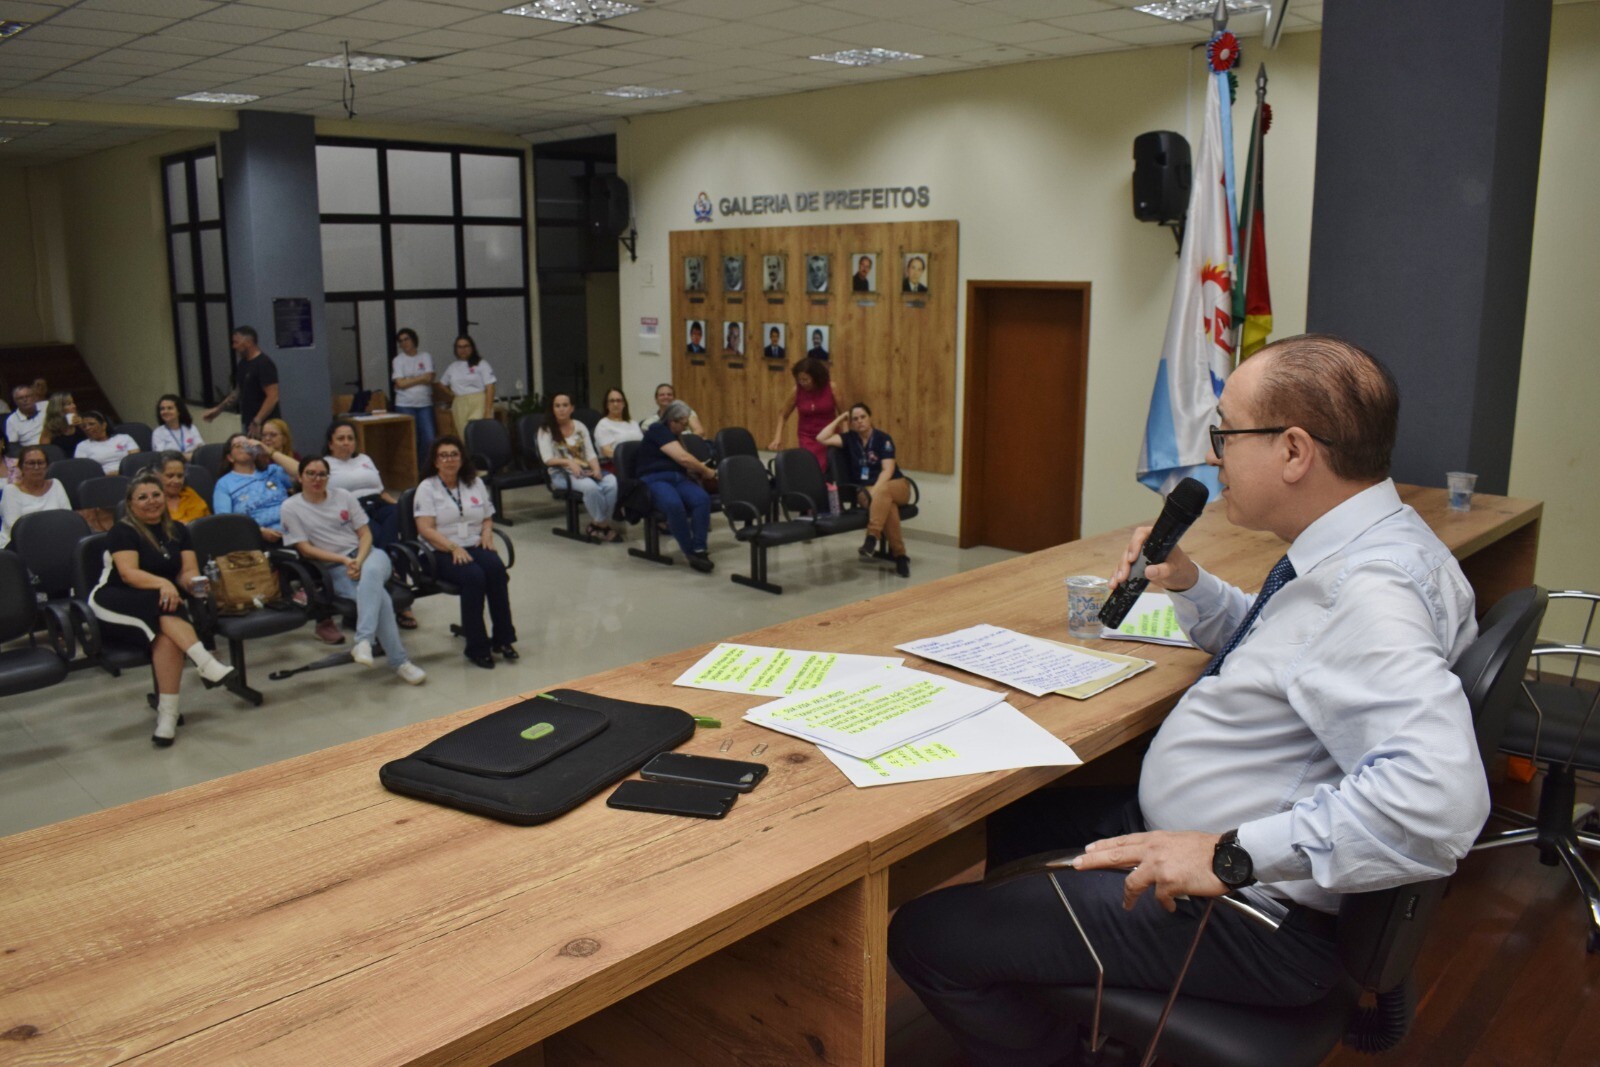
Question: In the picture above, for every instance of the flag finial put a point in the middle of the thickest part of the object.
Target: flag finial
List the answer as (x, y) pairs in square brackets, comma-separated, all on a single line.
[(1219, 17)]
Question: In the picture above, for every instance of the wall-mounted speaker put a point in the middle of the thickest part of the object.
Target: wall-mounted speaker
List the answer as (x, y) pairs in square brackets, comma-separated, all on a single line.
[(610, 207), (1162, 176)]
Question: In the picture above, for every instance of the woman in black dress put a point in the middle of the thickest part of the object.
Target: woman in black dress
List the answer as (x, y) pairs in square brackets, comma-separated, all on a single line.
[(148, 561)]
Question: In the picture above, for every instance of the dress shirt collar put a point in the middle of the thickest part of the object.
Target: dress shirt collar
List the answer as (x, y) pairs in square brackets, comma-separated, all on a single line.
[(1343, 524)]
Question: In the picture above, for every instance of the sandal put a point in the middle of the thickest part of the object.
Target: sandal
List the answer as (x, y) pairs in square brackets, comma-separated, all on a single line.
[(405, 620), (610, 534)]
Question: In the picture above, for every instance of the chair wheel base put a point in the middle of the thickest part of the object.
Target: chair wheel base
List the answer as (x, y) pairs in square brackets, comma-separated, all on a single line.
[(756, 583)]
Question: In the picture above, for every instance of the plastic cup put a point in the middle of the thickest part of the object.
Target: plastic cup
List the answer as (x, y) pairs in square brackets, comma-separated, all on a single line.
[(1461, 485), (199, 586), (1086, 595)]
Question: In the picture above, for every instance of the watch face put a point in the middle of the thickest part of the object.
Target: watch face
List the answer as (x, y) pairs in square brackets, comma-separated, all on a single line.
[(1231, 864)]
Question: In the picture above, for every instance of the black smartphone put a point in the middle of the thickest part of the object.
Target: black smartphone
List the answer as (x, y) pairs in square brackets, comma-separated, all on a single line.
[(704, 770), (672, 798)]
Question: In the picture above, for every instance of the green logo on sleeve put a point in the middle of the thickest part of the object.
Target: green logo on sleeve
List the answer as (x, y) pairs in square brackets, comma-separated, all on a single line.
[(538, 730)]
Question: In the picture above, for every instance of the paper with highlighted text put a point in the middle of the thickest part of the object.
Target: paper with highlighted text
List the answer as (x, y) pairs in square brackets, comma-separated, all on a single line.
[(999, 739), (777, 672), (1030, 664), (1152, 619), (866, 716)]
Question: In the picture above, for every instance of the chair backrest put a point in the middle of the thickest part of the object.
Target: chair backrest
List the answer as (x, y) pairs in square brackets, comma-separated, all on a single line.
[(625, 457), (53, 453), (72, 472), (800, 485), (44, 541), (203, 480), (489, 439), (528, 436), (217, 535), (1380, 933), (736, 441), (744, 489), (138, 461), (140, 432), (106, 491), (210, 457), (588, 416), (408, 521), (88, 563), (16, 597), (697, 446)]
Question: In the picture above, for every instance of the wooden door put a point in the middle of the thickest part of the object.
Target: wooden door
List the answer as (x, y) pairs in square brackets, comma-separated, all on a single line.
[(1026, 380)]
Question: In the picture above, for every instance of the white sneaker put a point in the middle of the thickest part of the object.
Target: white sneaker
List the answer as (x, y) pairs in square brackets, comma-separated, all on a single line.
[(362, 653), (411, 674)]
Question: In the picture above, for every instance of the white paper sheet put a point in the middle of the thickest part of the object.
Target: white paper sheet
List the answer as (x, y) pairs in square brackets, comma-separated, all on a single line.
[(1152, 619), (777, 672), (1027, 663), (1000, 739), (870, 714)]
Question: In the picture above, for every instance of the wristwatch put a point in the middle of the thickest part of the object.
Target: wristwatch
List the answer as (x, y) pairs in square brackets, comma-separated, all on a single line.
[(1231, 863)]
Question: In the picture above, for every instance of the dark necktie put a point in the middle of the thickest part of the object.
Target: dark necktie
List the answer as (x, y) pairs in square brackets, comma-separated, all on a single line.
[(1280, 576)]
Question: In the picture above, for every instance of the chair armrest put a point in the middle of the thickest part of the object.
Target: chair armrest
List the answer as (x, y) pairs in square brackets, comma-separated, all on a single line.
[(481, 462), (916, 491), (511, 550), (58, 624), (295, 571), (89, 636)]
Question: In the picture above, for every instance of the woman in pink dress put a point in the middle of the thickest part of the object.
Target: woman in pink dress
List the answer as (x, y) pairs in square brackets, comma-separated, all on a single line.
[(813, 398)]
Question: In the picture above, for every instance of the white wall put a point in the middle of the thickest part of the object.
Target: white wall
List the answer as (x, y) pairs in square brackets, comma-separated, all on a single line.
[(1035, 162)]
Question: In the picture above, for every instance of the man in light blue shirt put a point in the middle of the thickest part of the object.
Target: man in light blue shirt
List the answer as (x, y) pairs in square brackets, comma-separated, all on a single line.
[(1327, 748)]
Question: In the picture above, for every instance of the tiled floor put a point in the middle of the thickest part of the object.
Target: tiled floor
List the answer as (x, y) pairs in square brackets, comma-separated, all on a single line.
[(85, 744)]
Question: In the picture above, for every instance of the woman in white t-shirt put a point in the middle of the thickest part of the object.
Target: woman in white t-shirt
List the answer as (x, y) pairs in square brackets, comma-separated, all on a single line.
[(356, 474), (328, 527), (102, 446), (175, 430), (31, 492), (470, 381), (616, 426), (412, 372), (455, 517), (570, 458)]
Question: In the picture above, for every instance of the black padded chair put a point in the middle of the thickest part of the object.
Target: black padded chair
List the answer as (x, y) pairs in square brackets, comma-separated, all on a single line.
[(1380, 933), (537, 474), (702, 450), (736, 441), (140, 432), (1553, 724), (72, 473), (528, 438), (634, 499), (746, 496), (801, 489), (489, 446), (203, 480), (588, 416), (217, 535), (36, 666), (46, 542), (210, 457), (421, 575), (849, 490), (111, 654), (107, 491), (139, 461), (53, 453)]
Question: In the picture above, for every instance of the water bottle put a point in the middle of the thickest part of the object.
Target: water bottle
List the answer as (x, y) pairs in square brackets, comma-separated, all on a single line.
[(833, 499)]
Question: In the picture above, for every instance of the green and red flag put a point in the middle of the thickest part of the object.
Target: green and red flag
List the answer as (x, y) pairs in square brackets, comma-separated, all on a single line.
[(1252, 297)]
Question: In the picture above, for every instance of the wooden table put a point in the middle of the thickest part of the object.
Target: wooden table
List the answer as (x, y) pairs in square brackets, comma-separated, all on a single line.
[(390, 440), (298, 914)]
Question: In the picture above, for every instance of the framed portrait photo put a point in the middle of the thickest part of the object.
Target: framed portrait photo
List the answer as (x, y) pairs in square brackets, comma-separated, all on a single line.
[(733, 338), (819, 341), (864, 272), (914, 273), (774, 274), (694, 274), (694, 337), (733, 274), (774, 340), (818, 267)]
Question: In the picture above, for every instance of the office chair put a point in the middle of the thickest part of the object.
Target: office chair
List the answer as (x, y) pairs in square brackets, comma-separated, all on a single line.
[(489, 448), (72, 473), (210, 457), (141, 433), (746, 497), (1380, 932), (135, 462), (1552, 724), (634, 499), (35, 666)]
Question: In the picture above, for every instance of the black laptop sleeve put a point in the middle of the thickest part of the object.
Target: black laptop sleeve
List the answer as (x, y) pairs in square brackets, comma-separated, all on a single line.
[(536, 759)]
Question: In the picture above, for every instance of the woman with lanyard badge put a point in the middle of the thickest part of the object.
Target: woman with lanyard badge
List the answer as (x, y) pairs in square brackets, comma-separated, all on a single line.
[(456, 518), (877, 476), (470, 381), (174, 430)]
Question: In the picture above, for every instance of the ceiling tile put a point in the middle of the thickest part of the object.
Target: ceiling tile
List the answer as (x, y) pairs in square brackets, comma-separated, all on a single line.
[(124, 22), (667, 46), (611, 57), (324, 8), (1075, 44), (735, 34), (30, 12), (77, 36), (180, 46), (1014, 33), (731, 9), (360, 32), (663, 23), (171, 9), (1172, 33), (453, 39), (413, 13), (255, 15), (505, 26), (220, 31), (1046, 9), (809, 19), (1105, 21)]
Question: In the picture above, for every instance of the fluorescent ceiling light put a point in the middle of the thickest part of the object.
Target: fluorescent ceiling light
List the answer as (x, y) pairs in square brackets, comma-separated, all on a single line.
[(22, 122), (3, 140), (363, 64), (573, 12), (11, 29), (636, 92), (219, 98), (866, 57), (1194, 10)]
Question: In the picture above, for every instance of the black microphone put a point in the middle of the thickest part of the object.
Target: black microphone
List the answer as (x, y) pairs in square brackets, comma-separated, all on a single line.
[(1184, 505)]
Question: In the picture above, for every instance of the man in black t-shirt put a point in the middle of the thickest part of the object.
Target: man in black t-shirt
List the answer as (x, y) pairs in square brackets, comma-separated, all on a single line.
[(255, 384)]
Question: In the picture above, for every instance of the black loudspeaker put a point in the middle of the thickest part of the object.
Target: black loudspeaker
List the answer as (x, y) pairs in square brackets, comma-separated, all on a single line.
[(1162, 176), (610, 207)]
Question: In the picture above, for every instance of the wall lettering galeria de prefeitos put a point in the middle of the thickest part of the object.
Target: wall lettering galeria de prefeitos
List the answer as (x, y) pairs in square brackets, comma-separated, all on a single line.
[(894, 196)]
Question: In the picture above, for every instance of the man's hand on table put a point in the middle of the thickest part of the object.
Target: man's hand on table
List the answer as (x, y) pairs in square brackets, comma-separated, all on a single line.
[(1176, 863)]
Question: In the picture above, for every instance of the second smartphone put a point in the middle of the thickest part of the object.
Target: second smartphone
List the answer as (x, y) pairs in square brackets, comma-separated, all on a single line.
[(704, 770)]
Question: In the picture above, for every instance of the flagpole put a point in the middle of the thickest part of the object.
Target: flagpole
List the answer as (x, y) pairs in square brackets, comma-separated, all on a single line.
[(1247, 235)]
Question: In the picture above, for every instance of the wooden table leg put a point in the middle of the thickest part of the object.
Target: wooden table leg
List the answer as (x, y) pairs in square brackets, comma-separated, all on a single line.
[(810, 988)]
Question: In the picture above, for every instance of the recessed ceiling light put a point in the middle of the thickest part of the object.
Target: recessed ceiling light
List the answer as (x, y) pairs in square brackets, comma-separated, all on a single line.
[(1194, 10), (22, 122), (866, 57), (636, 92), (11, 29), (574, 12), (219, 98), (363, 64)]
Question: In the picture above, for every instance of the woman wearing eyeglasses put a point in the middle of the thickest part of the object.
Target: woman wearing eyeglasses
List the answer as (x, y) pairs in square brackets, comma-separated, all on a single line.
[(31, 492)]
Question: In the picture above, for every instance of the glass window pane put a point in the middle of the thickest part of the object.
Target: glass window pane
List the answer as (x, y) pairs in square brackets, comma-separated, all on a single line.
[(182, 264), (491, 185), (189, 348), (211, 261), (177, 193), (494, 257), (206, 208), (498, 325), (436, 325), (419, 183), (217, 351), (352, 257), (424, 257), (339, 319), (347, 179), (375, 346)]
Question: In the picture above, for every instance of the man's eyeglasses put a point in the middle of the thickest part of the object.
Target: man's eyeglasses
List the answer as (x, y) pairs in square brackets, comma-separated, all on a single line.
[(1218, 436)]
